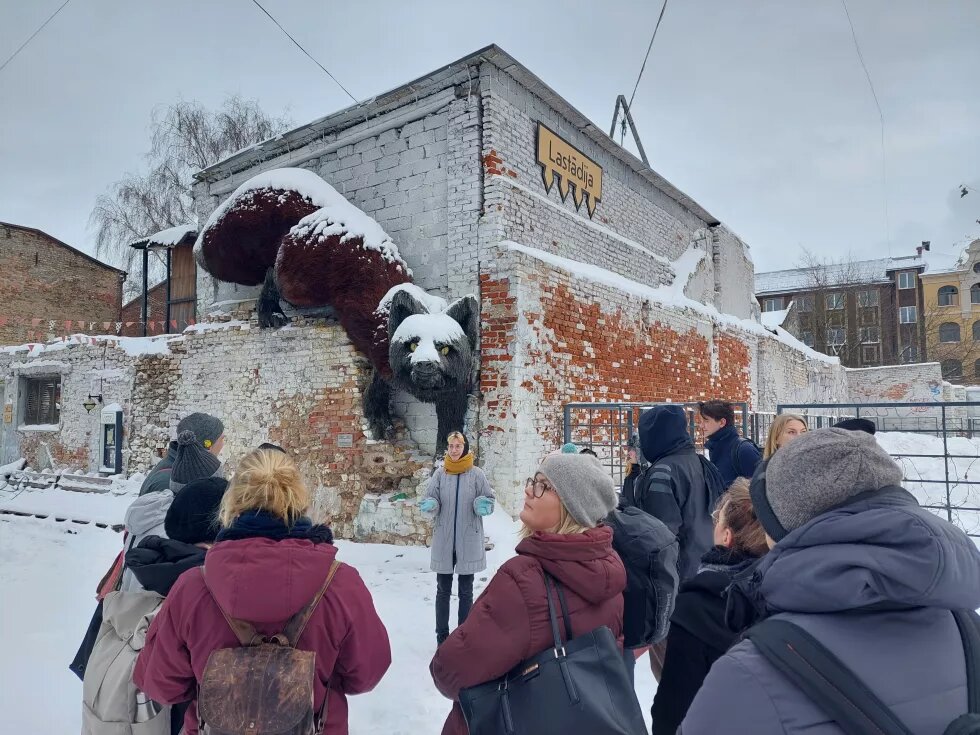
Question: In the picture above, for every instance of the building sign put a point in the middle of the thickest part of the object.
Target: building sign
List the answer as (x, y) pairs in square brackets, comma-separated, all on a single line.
[(574, 170), (8, 413)]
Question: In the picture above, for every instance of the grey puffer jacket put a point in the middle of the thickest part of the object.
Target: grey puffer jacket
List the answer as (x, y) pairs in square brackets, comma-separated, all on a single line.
[(881, 550), (458, 528), (145, 517)]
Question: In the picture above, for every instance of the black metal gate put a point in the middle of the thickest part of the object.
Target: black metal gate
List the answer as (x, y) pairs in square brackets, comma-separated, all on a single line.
[(936, 444)]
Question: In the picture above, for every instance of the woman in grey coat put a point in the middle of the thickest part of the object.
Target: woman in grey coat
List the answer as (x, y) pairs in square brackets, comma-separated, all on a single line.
[(458, 496)]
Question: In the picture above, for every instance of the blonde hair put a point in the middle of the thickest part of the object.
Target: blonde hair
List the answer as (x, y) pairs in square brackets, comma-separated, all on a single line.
[(456, 435), (265, 480), (566, 524), (776, 430), (736, 513)]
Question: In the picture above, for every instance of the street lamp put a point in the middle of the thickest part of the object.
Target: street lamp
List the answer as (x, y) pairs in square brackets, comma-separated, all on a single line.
[(89, 403)]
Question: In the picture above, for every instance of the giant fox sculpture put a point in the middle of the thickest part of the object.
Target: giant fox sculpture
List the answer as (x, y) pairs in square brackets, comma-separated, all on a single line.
[(292, 232)]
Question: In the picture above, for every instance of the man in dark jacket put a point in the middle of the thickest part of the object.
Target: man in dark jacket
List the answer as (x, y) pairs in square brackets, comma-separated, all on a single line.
[(673, 489), (863, 569), (208, 430), (731, 454)]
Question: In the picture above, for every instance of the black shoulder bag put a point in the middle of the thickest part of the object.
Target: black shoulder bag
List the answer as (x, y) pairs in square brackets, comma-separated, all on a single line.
[(578, 687)]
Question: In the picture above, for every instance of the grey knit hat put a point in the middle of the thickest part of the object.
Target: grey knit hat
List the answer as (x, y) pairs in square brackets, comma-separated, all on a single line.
[(820, 470), (206, 428), (585, 488), (193, 461)]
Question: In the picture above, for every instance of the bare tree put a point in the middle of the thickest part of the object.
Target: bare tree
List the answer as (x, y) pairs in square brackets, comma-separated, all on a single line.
[(185, 137), (832, 293)]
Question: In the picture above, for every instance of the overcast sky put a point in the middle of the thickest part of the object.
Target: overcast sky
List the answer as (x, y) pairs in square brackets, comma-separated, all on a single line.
[(759, 109)]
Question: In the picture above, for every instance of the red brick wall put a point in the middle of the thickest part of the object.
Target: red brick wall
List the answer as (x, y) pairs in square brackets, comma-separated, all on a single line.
[(42, 280), (584, 349), (131, 312)]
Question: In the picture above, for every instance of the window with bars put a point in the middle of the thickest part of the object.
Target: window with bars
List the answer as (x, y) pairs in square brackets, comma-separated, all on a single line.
[(42, 400)]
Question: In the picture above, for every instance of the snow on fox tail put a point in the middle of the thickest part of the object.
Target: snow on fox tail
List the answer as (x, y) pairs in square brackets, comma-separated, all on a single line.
[(239, 242), (339, 256)]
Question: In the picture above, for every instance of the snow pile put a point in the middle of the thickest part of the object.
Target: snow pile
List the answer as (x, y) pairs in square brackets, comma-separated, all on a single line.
[(50, 572), (98, 506), (340, 217), (218, 326), (305, 183), (133, 346), (7, 469), (670, 296), (171, 236), (433, 304), (429, 330), (773, 319)]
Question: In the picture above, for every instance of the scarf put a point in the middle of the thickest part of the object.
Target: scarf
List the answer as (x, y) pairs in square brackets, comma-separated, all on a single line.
[(458, 466), (262, 524)]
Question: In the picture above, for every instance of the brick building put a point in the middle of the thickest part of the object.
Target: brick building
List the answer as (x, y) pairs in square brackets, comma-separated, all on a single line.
[(867, 312), (46, 284), (132, 312), (597, 281)]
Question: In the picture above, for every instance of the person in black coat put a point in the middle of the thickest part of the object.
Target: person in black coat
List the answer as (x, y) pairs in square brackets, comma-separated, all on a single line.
[(634, 469), (698, 633), (731, 454)]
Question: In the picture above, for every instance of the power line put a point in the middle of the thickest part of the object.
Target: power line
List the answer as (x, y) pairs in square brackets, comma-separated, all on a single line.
[(51, 18), (644, 66), (300, 47), (881, 119)]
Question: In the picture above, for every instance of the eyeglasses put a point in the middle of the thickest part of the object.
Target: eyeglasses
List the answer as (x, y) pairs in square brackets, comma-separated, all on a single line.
[(538, 487)]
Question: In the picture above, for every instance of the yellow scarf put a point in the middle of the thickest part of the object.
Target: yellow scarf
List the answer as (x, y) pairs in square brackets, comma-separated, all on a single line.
[(458, 466)]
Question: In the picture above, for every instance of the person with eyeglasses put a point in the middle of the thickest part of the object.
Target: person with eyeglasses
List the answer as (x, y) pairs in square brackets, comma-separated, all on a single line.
[(563, 535)]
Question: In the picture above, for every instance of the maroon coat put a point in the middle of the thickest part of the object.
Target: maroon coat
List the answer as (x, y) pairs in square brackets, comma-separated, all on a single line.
[(266, 582), (509, 622)]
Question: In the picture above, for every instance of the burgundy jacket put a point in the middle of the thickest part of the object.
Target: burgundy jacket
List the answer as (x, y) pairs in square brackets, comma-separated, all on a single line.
[(266, 582), (509, 622)]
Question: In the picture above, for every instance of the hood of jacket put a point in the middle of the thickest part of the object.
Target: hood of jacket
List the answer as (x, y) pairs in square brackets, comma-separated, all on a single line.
[(130, 614), (148, 512), (583, 562), (880, 550), (157, 562), (663, 430), (266, 581)]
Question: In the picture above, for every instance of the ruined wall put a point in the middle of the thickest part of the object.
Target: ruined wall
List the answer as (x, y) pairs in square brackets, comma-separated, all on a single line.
[(298, 387)]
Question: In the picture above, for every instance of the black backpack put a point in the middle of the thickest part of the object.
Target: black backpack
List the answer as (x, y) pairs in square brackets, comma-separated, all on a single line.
[(835, 689), (737, 456), (649, 553), (713, 480)]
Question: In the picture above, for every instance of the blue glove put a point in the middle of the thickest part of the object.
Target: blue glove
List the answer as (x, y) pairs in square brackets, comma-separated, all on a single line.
[(428, 505), (483, 506)]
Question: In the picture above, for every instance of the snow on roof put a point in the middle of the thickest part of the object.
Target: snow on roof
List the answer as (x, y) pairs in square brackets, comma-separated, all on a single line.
[(300, 180), (167, 238), (773, 319), (428, 330), (432, 303), (835, 274), (672, 296), (340, 217)]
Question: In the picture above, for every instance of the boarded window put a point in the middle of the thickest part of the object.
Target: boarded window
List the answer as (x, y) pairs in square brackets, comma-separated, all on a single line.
[(42, 400)]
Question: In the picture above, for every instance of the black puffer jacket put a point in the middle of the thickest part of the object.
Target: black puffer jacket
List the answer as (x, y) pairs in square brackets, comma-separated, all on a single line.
[(698, 636)]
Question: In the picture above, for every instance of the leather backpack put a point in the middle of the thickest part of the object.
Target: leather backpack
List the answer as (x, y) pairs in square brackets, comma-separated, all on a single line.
[(265, 685)]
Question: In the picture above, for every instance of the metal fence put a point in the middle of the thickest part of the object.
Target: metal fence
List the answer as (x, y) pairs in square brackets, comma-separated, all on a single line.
[(605, 428), (936, 444)]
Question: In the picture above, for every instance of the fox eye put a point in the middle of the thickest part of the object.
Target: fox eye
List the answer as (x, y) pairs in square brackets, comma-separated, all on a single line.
[(413, 346), (444, 350)]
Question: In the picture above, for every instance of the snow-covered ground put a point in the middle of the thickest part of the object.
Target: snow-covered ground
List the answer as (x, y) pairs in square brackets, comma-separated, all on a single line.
[(48, 575), (963, 466)]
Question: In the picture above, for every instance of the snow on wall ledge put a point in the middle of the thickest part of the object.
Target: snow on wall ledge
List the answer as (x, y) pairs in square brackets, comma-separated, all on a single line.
[(556, 331), (299, 387)]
